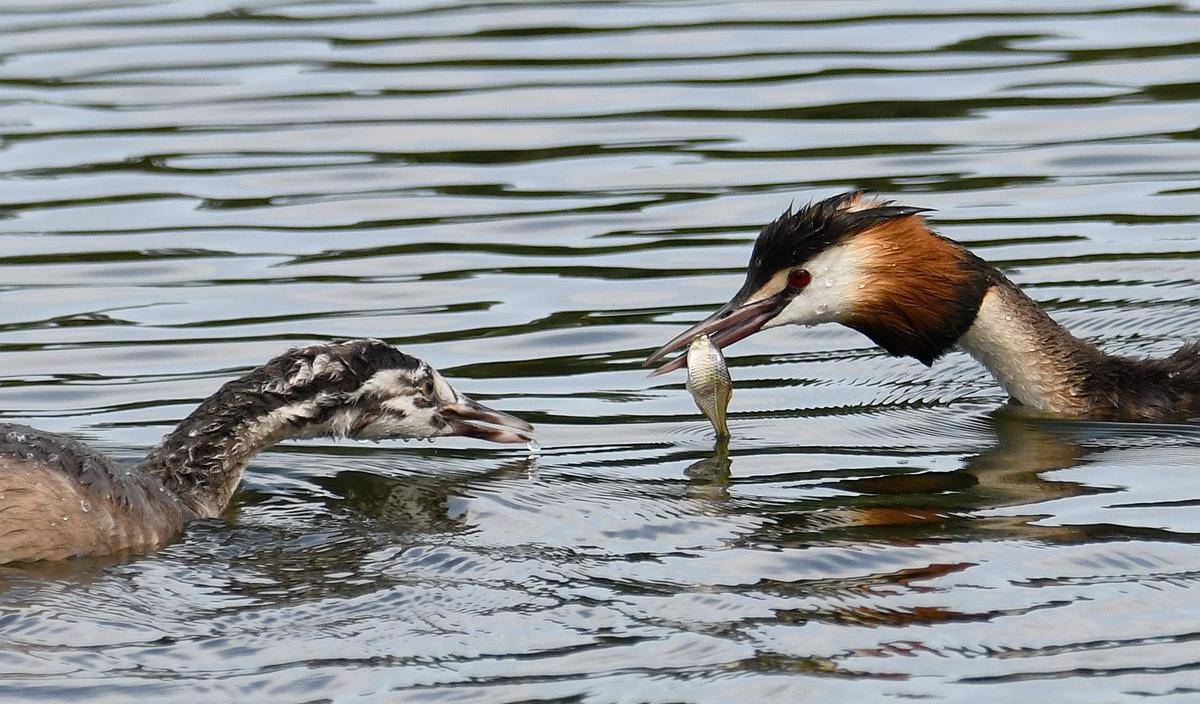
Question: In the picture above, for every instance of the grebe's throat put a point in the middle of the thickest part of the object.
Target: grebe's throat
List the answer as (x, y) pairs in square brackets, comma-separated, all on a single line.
[(1034, 359)]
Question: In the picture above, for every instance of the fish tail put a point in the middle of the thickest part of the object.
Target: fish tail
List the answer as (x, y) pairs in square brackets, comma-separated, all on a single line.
[(719, 422)]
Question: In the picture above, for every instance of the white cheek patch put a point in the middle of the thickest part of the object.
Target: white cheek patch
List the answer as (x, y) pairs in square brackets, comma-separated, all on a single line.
[(403, 420), (837, 281)]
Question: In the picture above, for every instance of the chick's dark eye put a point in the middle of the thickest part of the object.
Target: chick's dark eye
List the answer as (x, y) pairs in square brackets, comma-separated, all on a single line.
[(799, 278), (429, 387)]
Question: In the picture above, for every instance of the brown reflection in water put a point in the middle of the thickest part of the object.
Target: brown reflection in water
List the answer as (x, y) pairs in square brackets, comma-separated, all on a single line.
[(908, 508), (909, 505)]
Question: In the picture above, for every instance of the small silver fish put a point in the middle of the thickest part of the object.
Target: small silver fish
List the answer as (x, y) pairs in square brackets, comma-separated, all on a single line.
[(709, 383)]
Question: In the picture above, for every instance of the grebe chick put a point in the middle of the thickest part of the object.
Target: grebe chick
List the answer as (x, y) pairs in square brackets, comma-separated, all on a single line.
[(878, 268), (59, 498)]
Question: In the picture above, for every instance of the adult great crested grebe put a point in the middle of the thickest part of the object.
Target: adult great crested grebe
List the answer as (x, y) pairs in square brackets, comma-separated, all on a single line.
[(878, 268), (60, 498)]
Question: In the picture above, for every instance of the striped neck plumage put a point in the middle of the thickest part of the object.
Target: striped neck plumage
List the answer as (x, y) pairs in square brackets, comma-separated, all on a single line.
[(361, 389), (202, 460)]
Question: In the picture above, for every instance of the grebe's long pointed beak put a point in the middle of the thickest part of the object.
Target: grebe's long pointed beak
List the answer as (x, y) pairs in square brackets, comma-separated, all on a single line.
[(474, 420), (734, 321)]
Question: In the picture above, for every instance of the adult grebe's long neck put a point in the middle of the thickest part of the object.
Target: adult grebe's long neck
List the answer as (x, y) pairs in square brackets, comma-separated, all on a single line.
[(202, 460), (1035, 359)]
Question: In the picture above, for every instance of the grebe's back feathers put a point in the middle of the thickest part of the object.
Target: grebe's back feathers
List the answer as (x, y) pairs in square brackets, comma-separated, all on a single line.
[(60, 498), (1148, 389), (81, 464), (64, 454)]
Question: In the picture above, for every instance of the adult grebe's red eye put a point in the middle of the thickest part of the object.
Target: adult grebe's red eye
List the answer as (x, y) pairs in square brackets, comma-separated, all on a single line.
[(799, 278)]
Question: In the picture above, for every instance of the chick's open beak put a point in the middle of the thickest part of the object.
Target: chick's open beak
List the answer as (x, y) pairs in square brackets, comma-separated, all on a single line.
[(734, 321), (473, 420)]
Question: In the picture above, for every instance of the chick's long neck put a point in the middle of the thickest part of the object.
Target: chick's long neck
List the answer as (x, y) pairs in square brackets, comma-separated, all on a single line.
[(202, 460)]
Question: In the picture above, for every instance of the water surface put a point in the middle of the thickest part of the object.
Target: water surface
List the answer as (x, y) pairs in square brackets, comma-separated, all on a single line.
[(533, 197)]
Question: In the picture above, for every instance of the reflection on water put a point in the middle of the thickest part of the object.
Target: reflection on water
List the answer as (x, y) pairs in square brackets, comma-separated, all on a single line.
[(533, 197)]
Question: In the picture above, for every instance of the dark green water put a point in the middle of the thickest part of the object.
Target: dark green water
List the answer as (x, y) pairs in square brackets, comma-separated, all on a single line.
[(533, 197)]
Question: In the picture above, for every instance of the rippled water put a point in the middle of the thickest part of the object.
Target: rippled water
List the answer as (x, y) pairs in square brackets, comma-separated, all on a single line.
[(533, 197)]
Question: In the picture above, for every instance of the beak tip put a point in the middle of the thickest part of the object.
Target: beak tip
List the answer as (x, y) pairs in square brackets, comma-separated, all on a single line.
[(679, 362), (471, 419), (731, 323), (514, 437)]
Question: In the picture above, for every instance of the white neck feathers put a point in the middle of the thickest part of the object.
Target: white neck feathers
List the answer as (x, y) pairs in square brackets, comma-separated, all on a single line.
[(1034, 359)]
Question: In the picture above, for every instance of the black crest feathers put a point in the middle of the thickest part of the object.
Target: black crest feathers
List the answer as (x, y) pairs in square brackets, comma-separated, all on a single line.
[(796, 236)]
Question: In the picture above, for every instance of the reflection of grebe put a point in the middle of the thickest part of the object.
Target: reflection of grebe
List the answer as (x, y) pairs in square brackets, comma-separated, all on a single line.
[(59, 498), (878, 268), (1001, 491)]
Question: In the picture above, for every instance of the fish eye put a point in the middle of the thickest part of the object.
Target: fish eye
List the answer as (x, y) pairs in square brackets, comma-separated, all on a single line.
[(798, 279)]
